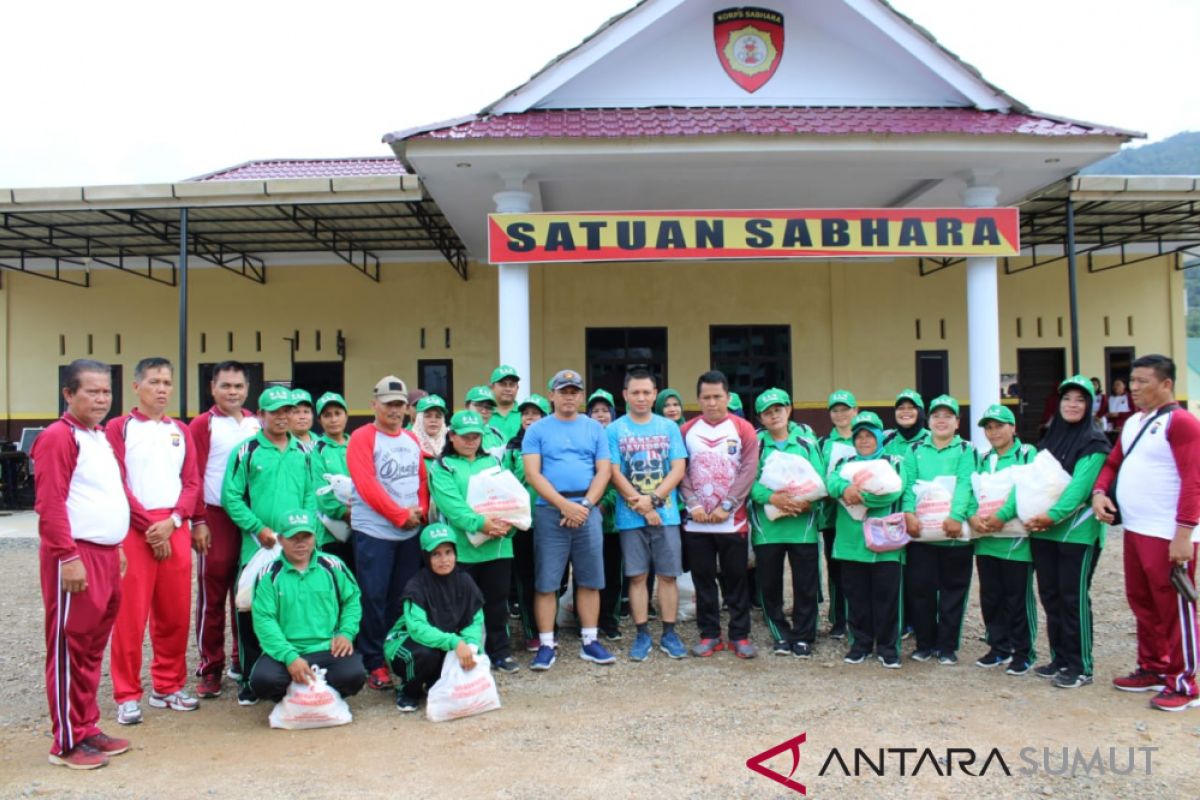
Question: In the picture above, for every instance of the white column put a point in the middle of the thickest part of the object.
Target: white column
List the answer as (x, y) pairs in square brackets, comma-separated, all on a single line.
[(983, 323), (514, 289)]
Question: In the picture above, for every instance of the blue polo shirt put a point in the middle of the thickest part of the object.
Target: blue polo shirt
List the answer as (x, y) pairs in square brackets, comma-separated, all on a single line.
[(570, 451)]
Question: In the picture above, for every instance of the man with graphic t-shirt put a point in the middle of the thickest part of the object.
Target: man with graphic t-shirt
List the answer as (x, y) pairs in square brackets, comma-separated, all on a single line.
[(722, 464)]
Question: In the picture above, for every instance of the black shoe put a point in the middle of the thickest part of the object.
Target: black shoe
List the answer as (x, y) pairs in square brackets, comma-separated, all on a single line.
[(1048, 670), (855, 657), (890, 662), (781, 648), (837, 632), (508, 665), (1068, 680), (802, 650), (247, 697), (405, 703), (514, 610), (926, 654), (1018, 668), (613, 634), (948, 659), (993, 658)]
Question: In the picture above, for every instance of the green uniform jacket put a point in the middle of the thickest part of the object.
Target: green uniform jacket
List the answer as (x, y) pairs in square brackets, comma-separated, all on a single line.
[(516, 465), (329, 457), (926, 462), (608, 509), (1005, 547), (896, 445), (848, 542), (785, 530), (835, 450), (494, 443), (263, 484), (415, 623), (448, 485), (1074, 521), (300, 612), (508, 424)]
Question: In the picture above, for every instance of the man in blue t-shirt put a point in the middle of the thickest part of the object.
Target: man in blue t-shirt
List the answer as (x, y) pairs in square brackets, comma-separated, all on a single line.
[(567, 463), (650, 460)]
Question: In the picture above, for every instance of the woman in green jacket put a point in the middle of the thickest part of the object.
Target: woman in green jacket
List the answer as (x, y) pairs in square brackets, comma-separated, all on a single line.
[(490, 562), (1065, 541)]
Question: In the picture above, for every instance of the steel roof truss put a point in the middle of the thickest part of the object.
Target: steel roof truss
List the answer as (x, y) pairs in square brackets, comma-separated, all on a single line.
[(449, 246), (336, 241), (247, 266), (59, 275)]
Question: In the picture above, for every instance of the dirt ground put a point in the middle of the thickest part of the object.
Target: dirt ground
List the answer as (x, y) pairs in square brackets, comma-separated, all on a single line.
[(671, 729)]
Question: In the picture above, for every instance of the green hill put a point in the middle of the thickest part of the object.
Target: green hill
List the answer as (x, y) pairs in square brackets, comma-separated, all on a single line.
[(1178, 155)]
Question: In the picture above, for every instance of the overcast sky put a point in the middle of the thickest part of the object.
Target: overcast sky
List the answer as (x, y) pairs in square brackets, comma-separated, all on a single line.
[(128, 91)]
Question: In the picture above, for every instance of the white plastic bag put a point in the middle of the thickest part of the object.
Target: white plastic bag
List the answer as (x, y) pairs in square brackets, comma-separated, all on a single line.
[(788, 472), (462, 693), (342, 488), (991, 491), (497, 493), (934, 498), (310, 705), (687, 597), (1038, 484), (883, 479), (244, 598)]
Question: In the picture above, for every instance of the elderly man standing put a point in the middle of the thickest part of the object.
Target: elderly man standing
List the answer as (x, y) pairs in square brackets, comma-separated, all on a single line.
[(83, 516), (390, 503)]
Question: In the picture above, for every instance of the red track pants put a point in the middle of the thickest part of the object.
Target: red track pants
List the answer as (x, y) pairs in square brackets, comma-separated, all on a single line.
[(1166, 623), (216, 578)]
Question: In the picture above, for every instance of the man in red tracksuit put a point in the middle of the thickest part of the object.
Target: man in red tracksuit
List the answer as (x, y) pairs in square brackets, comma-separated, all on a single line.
[(216, 540), (1157, 461), (83, 517), (158, 461)]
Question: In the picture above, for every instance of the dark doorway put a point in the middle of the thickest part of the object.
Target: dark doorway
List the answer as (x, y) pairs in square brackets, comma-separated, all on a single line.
[(612, 352), (1039, 372), (1118, 362), (933, 373), (118, 392), (254, 376), (319, 377), (753, 357), (436, 376)]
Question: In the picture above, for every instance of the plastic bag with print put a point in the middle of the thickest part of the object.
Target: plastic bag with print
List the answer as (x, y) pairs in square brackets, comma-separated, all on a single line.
[(788, 472), (462, 693), (310, 705)]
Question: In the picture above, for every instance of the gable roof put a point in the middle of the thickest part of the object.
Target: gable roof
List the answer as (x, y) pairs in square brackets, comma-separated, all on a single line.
[(277, 168)]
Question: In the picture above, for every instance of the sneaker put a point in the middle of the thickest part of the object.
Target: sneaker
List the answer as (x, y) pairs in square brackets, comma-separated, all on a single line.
[(235, 673), (79, 757), (855, 657), (781, 648), (706, 647), (508, 665), (890, 662), (129, 713), (596, 653), (802, 650), (906, 633), (1048, 670), (993, 658), (176, 701), (1140, 680), (948, 659), (532, 645), (544, 659), (642, 644), (1167, 700), (837, 632), (209, 686), (1018, 668), (247, 697), (405, 703), (744, 648), (924, 655), (514, 611), (613, 634), (672, 646), (108, 745), (380, 678), (1067, 680)]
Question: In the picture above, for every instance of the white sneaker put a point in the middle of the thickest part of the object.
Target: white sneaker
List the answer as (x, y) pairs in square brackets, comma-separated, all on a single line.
[(176, 701), (234, 673), (129, 712)]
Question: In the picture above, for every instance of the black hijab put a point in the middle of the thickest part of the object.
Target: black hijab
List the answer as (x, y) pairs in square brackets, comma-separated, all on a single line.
[(1071, 441), (450, 601)]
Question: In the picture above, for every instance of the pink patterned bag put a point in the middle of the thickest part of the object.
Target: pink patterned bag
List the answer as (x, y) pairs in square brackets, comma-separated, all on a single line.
[(884, 534)]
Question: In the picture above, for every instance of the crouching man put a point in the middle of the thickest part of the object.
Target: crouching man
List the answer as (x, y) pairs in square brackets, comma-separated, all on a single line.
[(306, 615)]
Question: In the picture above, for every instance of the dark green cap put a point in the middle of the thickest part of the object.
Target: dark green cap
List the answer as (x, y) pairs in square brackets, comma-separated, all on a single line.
[(538, 402), (330, 397), (866, 419), (1078, 382), (772, 397), (431, 401), (298, 521), (274, 398), (480, 394), (435, 534), (842, 398), (912, 396)]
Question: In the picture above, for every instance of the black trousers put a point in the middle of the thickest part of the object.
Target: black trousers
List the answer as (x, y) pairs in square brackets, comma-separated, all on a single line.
[(614, 583), (873, 606), (837, 597), (1008, 606), (939, 579), (492, 579), (804, 559), (727, 552), (1064, 580), (249, 650), (417, 667), (270, 679), (522, 571)]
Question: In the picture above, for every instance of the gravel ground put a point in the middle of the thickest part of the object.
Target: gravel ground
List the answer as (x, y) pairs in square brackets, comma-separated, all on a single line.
[(674, 729)]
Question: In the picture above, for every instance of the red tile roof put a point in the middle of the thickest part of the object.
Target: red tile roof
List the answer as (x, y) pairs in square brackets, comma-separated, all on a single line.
[(604, 123), (271, 169)]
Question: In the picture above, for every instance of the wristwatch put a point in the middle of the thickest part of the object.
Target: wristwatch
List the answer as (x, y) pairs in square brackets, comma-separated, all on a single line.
[(586, 503), (178, 520), (657, 501), (727, 505)]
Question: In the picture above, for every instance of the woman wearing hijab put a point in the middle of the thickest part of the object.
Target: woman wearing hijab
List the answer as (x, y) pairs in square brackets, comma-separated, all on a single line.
[(430, 425), (442, 612), (1066, 540), (669, 404), (910, 424)]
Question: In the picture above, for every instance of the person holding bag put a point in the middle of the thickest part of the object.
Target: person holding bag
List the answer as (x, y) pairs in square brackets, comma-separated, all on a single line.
[(870, 579), (442, 613), (487, 561), (1065, 542)]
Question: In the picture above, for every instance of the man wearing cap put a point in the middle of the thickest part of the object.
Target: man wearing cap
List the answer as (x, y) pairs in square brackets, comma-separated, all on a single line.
[(722, 464), (836, 447), (480, 400), (267, 477), (1005, 563), (390, 503), (306, 613), (505, 384), (302, 420), (329, 458), (215, 538), (567, 462), (939, 572)]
